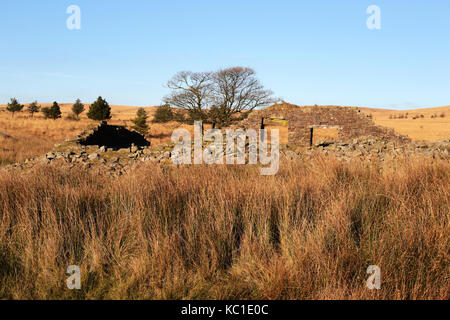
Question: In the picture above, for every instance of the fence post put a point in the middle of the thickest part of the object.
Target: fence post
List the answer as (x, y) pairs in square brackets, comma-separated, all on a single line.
[(262, 137)]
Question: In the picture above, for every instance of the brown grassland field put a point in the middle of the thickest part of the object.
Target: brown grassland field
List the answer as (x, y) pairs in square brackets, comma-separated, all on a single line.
[(434, 125), (225, 232)]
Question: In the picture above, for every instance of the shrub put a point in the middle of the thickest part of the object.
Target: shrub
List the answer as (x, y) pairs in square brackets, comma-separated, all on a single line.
[(197, 115), (163, 114), (52, 113), (179, 115), (99, 110), (33, 108), (14, 106), (77, 108), (46, 112), (140, 122)]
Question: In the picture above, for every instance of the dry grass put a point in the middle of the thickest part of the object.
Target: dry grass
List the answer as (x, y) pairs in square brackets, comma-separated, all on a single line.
[(426, 128), (310, 232), (31, 137)]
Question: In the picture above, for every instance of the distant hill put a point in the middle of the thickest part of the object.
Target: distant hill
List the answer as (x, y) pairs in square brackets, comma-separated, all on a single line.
[(419, 124), (116, 109), (423, 110)]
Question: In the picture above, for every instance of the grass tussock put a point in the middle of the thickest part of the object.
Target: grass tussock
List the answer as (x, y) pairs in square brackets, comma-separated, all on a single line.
[(310, 232)]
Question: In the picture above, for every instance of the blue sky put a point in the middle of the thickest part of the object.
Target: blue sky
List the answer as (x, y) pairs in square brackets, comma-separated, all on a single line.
[(307, 52)]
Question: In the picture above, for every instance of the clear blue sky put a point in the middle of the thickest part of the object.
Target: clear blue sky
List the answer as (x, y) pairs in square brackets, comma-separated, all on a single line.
[(307, 52)]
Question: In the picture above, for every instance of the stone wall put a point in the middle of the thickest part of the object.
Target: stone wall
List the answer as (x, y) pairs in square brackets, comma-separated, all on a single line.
[(350, 122)]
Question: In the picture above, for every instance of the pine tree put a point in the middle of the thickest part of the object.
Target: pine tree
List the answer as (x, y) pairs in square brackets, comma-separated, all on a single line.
[(33, 108), (78, 108), (14, 106), (52, 113), (99, 110), (140, 122)]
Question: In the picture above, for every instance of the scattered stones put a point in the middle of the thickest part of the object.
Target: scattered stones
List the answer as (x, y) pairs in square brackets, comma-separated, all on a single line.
[(372, 148), (290, 154), (118, 162), (134, 149), (50, 156), (93, 156), (165, 155)]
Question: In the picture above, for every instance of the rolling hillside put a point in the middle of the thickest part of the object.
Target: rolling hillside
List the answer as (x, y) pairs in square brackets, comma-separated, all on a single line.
[(429, 124)]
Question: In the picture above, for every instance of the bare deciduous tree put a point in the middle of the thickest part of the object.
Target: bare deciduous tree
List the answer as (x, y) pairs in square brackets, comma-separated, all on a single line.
[(238, 91), (190, 90), (220, 95)]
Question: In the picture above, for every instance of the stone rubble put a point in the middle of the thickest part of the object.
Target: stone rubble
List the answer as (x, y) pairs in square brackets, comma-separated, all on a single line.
[(373, 148), (117, 162)]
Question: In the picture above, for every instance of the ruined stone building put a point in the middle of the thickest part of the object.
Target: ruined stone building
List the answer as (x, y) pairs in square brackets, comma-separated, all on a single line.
[(302, 122)]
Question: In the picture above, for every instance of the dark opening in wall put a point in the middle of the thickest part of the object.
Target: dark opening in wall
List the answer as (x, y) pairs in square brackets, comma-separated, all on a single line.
[(114, 137)]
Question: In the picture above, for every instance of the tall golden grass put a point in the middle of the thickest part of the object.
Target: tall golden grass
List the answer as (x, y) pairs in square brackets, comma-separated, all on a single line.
[(225, 232)]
